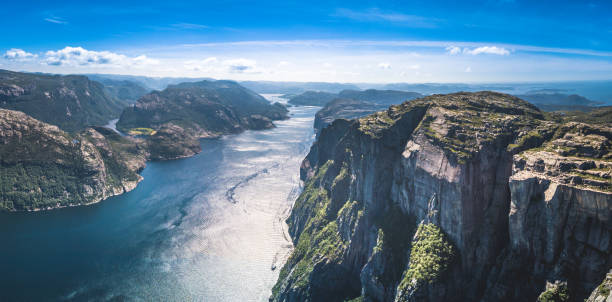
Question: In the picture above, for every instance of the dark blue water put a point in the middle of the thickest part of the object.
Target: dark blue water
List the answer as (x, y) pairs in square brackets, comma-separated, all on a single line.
[(205, 228)]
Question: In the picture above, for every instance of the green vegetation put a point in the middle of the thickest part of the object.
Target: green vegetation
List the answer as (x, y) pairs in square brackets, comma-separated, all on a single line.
[(430, 256), (141, 131), (522, 141), (603, 289), (557, 293), (319, 241), (319, 238)]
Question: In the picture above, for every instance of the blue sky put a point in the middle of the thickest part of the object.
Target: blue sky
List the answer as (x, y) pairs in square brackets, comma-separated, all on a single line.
[(344, 41)]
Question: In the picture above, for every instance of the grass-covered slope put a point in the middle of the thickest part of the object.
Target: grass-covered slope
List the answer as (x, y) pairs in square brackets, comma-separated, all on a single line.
[(70, 102)]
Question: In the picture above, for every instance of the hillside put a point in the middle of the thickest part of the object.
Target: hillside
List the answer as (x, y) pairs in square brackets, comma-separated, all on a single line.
[(459, 197), (70, 102), (312, 98), (375, 96), (175, 117), (43, 167)]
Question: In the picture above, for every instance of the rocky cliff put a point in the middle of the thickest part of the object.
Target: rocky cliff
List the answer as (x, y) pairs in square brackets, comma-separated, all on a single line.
[(43, 167), (460, 197)]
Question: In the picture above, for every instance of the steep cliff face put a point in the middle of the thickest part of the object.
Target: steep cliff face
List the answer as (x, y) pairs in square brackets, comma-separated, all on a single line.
[(455, 166), (43, 167)]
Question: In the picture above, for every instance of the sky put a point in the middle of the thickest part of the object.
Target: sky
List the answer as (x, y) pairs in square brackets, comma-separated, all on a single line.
[(330, 41)]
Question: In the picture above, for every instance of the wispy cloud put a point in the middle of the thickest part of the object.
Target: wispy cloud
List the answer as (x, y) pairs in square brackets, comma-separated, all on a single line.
[(56, 20), (376, 15)]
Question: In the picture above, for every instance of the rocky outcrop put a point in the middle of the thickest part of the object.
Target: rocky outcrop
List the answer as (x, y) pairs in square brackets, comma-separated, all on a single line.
[(43, 167), (504, 199)]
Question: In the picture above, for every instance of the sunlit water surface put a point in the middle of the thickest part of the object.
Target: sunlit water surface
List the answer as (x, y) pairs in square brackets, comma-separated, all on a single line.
[(206, 228)]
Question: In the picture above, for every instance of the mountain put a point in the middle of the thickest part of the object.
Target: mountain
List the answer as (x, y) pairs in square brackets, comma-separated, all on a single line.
[(160, 83), (381, 97), (149, 83), (597, 115), (70, 102), (295, 87), (459, 197), (124, 90), (343, 109), (312, 98), (188, 111), (43, 167), (559, 101), (350, 104)]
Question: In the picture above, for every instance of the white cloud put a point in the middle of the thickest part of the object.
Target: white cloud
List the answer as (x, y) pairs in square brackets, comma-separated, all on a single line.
[(241, 66), (283, 63), (468, 69), (16, 54), (327, 65), (415, 66), (453, 50), (494, 50), (384, 65), (78, 56)]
